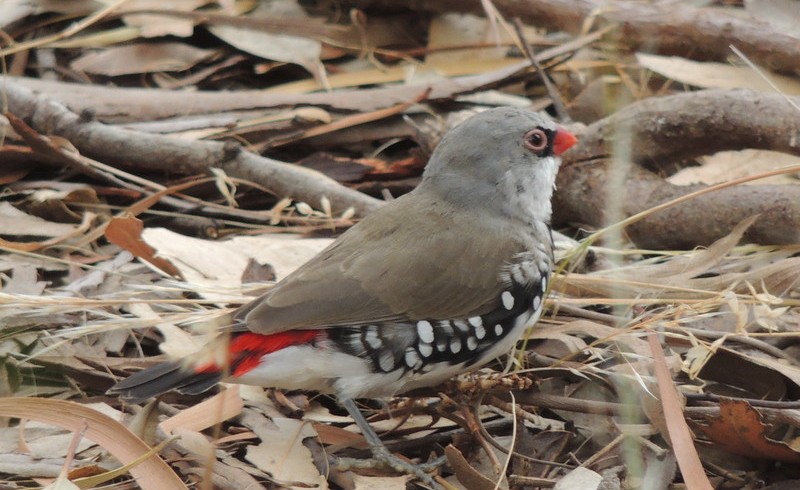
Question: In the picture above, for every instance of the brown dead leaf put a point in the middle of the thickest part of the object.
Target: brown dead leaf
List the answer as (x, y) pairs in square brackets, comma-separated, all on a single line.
[(739, 429), (141, 58), (466, 474), (215, 410), (680, 437), (749, 376), (151, 473), (127, 233), (582, 478), (53, 205), (361, 482), (728, 165), (14, 222), (154, 25), (288, 48), (24, 280), (17, 163), (221, 263), (715, 75), (35, 227), (282, 452), (336, 436)]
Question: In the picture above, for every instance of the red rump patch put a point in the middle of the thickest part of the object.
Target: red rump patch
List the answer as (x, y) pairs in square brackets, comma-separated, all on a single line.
[(247, 349)]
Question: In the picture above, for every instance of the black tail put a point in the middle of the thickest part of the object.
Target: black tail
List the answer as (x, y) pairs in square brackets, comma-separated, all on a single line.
[(162, 378)]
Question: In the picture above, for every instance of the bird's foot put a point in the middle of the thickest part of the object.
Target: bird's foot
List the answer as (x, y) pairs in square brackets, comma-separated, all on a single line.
[(382, 458)]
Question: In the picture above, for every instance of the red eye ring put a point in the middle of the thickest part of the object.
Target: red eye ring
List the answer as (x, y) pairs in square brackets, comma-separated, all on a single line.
[(535, 140)]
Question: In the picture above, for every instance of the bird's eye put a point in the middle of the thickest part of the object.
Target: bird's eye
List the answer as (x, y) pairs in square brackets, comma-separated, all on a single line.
[(535, 140)]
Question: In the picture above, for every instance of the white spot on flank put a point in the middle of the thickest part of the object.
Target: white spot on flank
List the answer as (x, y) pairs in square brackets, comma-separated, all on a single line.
[(498, 330), (537, 302), (516, 275), (412, 358), (441, 345), (386, 361), (544, 282), (425, 349), (372, 338), (480, 332), (472, 343), (425, 331), (508, 300), (455, 345), (462, 326), (475, 321)]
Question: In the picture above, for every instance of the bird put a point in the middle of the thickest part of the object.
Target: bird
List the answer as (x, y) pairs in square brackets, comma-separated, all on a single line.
[(437, 282)]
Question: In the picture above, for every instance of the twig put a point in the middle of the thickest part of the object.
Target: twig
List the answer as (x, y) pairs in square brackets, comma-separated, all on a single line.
[(552, 90), (348, 121), (165, 153), (753, 67), (513, 441)]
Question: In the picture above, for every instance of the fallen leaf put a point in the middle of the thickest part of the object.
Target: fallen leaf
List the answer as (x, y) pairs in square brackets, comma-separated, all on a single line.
[(219, 408), (781, 14), (217, 265), (152, 473), (580, 477), (154, 25), (729, 165), (739, 429), (127, 233), (716, 75), (303, 51), (141, 58), (467, 475), (680, 437), (18, 223), (281, 452)]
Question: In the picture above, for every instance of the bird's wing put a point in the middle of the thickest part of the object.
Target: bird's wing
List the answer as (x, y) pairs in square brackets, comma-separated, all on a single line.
[(380, 270)]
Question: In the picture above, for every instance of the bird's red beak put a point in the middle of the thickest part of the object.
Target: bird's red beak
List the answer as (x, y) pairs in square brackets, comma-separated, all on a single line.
[(564, 140)]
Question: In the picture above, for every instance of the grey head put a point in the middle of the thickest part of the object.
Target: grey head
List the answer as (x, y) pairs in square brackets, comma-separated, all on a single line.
[(505, 160)]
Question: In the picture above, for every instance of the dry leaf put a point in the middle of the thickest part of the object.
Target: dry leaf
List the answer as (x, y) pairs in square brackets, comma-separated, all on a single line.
[(141, 58), (127, 233), (281, 452), (151, 473), (730, 165), (740, 430), (455, 29), (154, 25), (469, 476), (220, 264), (580, 477), (716, 75), (217, 409), (278, 47), (783, 15), (361, 482), (17, 223), (680, 437)]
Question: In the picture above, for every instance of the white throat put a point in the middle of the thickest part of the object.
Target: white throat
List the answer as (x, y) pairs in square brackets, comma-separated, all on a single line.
[(528, 192)]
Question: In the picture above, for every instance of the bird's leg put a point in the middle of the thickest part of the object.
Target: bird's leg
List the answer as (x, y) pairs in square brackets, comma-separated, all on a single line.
[(379, 452)]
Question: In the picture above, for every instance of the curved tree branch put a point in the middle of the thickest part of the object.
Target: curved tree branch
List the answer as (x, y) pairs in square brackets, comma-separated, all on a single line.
[(119, 146), (657, 27), (664, 130), (672, 129)]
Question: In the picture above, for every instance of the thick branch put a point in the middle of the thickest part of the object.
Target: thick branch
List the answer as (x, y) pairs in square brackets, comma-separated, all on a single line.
[(584, 194), (154, 152), (660, 27), (666, 130)]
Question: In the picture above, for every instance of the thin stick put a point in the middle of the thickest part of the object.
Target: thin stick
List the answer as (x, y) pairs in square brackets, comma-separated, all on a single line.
[(552, 90)]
